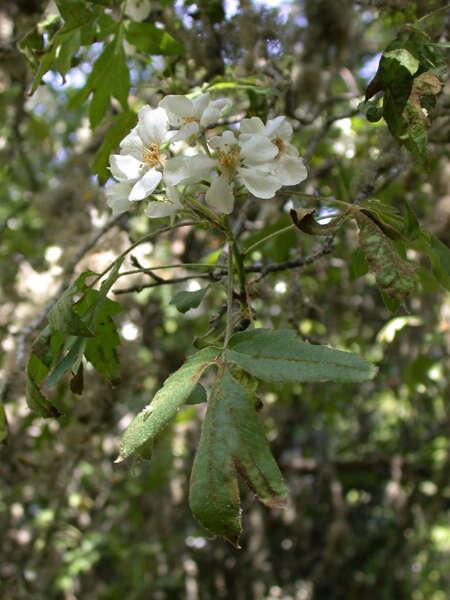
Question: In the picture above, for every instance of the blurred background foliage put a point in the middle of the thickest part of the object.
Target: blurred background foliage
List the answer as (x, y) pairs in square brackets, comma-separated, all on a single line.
[(367, 466)]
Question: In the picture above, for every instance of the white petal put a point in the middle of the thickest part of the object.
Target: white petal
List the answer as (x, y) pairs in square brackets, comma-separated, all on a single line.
[(252, 125), (258, 149), (188, 169), (174, 196), (152, 125), (220, 195), (186, 132), (156, 210), (117, 197), (200, 104), (138, 10), (176, 170), (210, 115), (132, 144), (290, 150), (285, 131), (290, 170), (125, 167), (274, 125), (220, 141), (177, 107), (146, 185), (259, 183)]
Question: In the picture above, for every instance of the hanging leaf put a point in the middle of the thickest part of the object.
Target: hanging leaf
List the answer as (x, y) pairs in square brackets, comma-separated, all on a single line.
[(394, 275), (176, 389), (232, 442), (281, 357), (3, 425), (185, 301)]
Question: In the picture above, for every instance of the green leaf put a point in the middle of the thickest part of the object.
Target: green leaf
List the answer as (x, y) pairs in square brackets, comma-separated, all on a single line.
[(70, 361), (101, 349), (176, 389), (77, 381), (121, 125), (405, 58), (76, 15), (411, 224), (69, 47), (185, 301), (394, 275), (36, 373), (63, 317), (357, 265), (281, 357), (3, 425), (232, 441), (197, 396), (152, 40), (109, 77)]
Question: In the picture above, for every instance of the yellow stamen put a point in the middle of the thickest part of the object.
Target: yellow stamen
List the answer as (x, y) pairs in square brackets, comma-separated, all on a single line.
[(229, 159), (152, 155)]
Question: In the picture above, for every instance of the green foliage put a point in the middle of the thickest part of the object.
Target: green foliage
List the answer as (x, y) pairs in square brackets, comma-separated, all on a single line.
[(407, 76), (232, 442), (3, 425), (176, 390), (83, 328), (152, 40), (185, 301), (281, 357), (108, 78)]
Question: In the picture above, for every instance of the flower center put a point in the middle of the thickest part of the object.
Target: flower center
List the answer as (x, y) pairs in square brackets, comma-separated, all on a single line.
[(228, 158), (152, 155), (278, 143), (187, 120)]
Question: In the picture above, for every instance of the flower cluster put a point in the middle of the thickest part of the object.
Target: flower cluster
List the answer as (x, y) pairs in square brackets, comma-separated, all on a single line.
[(257, 156)]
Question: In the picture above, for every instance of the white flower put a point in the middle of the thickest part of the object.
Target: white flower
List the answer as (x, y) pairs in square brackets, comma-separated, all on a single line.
[(138, 10), (140, 161), (251, 160), (117, 197), (191, 115), (164, 208), (188, 169), (288, 167)]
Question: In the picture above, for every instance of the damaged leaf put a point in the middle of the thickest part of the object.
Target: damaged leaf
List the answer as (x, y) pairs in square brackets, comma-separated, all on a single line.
[(232, 442), (176, 389), (394, 275)]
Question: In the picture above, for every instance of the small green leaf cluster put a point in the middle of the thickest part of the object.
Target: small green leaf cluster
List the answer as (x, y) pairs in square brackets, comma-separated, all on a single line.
[(54, 44), (408, 78), (76, 329)]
